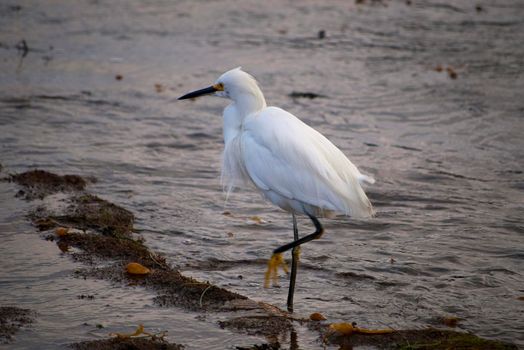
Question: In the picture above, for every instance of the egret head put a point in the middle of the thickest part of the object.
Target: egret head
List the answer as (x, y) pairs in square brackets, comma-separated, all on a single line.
[(236, 85)]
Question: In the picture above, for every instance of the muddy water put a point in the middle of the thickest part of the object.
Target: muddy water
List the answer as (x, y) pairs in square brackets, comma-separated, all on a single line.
[(446, 153)]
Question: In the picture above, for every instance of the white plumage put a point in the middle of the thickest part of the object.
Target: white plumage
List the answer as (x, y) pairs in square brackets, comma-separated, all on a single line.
[(291, 164)]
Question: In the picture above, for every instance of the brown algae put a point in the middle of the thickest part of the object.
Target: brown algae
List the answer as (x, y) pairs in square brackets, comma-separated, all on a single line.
[(102, 233)]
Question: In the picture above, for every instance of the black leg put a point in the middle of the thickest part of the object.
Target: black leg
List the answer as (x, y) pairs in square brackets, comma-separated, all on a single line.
[(294, 267), (319, 230), (277, 260)]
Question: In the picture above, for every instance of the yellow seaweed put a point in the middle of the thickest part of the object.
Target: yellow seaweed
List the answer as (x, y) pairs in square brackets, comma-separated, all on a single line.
[(346, 329), (317, 316), (137, 269), (62, 231)]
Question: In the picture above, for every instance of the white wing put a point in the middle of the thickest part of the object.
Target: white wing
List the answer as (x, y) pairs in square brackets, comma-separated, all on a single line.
[(282, 154)]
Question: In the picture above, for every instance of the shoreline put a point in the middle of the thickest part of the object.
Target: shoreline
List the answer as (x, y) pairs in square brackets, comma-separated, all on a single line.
[(101, 235)]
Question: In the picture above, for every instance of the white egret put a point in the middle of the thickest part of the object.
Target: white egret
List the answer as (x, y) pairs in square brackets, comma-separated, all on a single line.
[(291, 164)]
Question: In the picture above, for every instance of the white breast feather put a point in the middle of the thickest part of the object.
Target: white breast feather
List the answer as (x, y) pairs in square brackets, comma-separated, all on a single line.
[(233, 171)]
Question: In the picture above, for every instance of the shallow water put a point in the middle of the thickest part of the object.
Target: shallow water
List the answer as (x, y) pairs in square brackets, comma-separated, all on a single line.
[(446, 153)]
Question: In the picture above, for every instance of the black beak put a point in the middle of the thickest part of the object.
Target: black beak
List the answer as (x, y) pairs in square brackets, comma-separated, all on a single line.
[(201, 92)]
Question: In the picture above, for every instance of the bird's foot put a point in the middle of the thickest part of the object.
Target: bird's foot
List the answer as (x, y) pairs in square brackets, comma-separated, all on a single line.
[(273, 264)]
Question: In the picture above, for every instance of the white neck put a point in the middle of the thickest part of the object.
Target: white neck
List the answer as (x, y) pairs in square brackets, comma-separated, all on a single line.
[(243, 105), (247, 103)]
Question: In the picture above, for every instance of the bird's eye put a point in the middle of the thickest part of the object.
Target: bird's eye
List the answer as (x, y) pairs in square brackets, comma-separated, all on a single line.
[(219, 87)]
